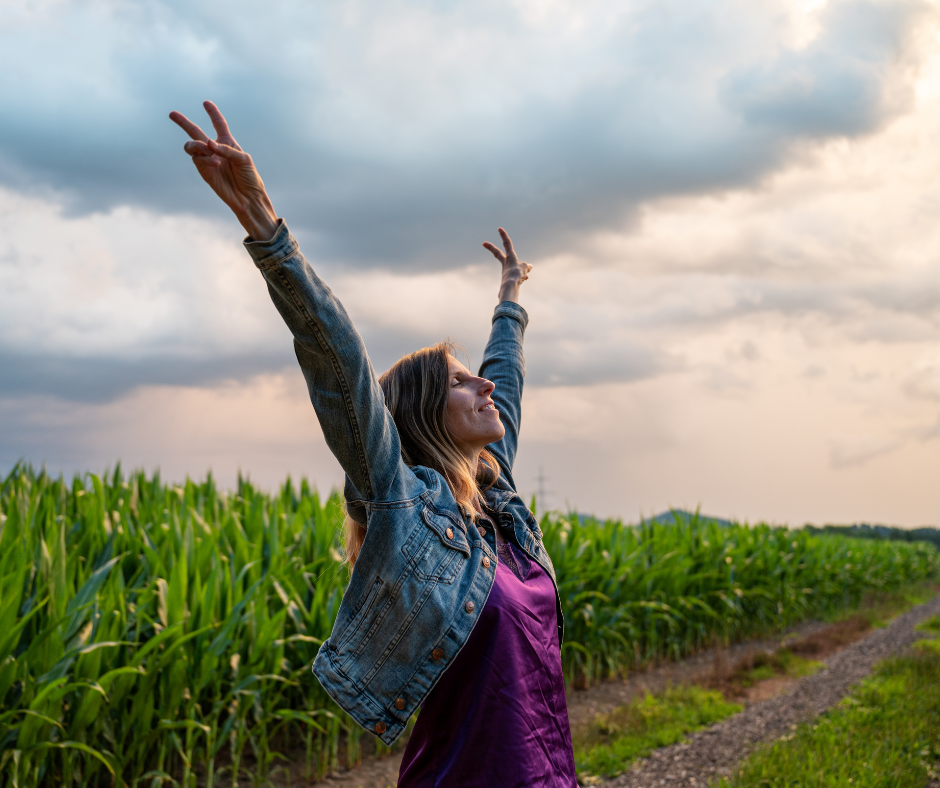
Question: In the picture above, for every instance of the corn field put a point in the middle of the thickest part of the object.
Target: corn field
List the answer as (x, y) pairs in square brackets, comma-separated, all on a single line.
[(636, 594), (152, 633)]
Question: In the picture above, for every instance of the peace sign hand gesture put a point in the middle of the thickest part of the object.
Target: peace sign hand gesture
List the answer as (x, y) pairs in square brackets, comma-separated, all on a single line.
[(515, 272), (230, 172)]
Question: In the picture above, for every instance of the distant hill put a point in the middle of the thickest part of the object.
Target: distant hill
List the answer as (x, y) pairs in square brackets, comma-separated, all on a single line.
[(683, 516)]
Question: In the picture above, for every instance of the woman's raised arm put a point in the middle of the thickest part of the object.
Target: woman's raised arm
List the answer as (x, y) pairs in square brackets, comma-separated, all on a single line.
[(343, 389), (503, 360)]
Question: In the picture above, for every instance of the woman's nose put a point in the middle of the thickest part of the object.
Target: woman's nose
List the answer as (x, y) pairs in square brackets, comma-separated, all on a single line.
[(487, 386)]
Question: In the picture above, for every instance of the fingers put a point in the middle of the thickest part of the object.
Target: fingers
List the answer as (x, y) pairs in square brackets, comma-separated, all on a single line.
[(206, 161), (211, 153), (496, 252), (228, 152), (507, 243), (203, 155), (188, 126), (218, 120), (197, 148)]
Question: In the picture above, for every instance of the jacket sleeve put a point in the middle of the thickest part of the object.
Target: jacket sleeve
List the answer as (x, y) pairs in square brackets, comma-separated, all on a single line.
[(343, 388), (504, 364)]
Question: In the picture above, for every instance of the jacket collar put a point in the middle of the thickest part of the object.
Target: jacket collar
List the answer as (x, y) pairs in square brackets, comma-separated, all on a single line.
[(497, 498)]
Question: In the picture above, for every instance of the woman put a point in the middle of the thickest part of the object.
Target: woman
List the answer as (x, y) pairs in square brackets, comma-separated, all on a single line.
[(451, 606)]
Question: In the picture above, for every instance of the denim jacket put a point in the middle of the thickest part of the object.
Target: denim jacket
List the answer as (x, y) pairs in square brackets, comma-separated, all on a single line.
[(425, 569)]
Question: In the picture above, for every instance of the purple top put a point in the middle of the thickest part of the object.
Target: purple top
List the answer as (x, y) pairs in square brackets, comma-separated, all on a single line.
[(498, 716)]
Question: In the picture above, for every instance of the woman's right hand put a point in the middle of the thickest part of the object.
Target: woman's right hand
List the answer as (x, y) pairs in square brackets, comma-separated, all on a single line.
[(515, 271), (230, 172)]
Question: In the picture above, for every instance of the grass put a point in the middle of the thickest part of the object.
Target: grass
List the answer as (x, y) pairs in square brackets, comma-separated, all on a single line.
[(633, 731), (885, 735), (931, 626), (879, 608), (780, 663), (163, 634)]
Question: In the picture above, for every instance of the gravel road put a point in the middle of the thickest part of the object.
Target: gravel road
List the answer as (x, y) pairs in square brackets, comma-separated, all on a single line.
[(715, 751)]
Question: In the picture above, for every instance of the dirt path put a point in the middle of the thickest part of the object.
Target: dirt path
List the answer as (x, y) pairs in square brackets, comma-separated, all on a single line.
[(584, 705), (715, 751)]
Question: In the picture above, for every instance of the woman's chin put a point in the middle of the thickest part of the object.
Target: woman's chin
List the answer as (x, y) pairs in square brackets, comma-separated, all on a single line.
[(497, 434)]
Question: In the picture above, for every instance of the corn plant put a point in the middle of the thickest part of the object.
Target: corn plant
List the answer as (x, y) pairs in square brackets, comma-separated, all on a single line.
[(153, 633)]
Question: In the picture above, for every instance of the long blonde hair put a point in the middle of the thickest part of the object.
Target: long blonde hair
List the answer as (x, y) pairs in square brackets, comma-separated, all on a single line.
[(416, 390)]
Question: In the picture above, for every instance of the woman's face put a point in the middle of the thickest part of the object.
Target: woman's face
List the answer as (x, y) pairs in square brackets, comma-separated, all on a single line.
[(472, 418)]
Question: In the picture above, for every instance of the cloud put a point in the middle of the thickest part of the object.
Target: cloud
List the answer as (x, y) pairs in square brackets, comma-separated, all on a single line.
[(394, 134), (91, 307), (852, 451), (101, 379), (846, 82), (923, 380)]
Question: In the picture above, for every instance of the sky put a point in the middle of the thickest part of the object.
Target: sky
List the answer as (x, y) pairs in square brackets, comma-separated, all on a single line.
[(731, 208)]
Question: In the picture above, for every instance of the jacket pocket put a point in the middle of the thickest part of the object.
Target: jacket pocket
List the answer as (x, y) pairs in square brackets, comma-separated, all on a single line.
[(431, 553), (350, 640)]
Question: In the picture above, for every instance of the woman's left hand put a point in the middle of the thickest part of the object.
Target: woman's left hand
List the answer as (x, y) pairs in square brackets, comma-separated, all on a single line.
[(515, 271)]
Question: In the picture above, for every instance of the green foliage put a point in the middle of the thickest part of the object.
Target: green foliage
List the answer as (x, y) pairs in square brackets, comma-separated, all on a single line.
[(161, 633), (634, 731), (882, 608), (150, 631), (930, 625), (632, 594), (781, 662), (887, 733), (795, 666), (865, 531)]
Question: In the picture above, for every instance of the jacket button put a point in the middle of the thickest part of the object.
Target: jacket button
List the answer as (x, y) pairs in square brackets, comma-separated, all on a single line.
[(469, 607), (399, 703), (482, 531), (380, 727), (450, 533), (486, 562), (437, 655)]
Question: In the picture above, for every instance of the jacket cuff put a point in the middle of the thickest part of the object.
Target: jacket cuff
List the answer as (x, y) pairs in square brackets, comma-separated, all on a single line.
[(513, 310), (269, 253)]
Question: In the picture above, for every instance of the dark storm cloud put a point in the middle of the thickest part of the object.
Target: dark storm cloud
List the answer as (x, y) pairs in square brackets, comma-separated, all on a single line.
[(104, 379), (407, 168), (834, 87)]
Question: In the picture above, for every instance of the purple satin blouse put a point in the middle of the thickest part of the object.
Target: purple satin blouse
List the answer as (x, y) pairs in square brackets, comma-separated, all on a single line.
[(498, 717)]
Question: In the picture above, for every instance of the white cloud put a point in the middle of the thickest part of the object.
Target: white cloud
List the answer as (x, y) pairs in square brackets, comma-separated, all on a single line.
[(126, 283)]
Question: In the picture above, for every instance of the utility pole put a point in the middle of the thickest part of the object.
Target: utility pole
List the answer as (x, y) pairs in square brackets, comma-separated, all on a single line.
[(541, 495)]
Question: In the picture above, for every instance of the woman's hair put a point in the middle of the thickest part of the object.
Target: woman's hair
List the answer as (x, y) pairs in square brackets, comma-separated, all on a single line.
[(416, 388)]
